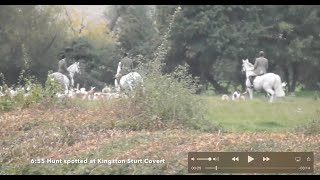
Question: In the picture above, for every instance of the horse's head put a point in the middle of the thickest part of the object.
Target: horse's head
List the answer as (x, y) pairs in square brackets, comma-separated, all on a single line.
[(74, 68), (246, 65)]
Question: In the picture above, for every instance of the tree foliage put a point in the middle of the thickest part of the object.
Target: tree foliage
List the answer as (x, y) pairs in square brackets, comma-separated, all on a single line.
[(212, 40), (35, 28)]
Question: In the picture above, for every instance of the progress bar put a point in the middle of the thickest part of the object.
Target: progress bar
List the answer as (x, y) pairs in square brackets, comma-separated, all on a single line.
[(216, 167)]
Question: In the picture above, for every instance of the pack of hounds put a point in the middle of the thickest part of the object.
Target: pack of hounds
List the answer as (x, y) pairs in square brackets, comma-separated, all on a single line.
[(236, 96), (107, 93)]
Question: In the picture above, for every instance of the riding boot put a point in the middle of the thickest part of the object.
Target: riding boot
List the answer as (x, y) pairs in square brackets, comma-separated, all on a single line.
[(251, 81), (70, 84)]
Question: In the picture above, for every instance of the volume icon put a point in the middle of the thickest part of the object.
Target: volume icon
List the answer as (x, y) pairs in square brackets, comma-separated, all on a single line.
[(235, 159)]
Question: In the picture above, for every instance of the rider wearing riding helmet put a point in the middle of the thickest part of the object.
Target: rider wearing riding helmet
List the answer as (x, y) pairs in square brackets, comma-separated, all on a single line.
[(260, 67), (62, 65), (126, 67)]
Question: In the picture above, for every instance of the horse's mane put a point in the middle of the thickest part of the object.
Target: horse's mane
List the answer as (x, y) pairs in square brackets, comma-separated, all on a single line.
[(249, 64), (71, 66)]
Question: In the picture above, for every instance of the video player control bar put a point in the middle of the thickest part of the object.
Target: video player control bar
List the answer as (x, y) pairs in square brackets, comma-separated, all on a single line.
[(250, 162)]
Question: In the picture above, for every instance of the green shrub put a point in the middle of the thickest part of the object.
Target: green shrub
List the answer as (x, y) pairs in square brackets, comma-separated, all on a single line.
[(37, 94), (168, 99), (6, 104)]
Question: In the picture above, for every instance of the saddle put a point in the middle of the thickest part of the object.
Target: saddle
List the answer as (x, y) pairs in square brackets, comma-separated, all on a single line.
[(68, 76), (252, 78)]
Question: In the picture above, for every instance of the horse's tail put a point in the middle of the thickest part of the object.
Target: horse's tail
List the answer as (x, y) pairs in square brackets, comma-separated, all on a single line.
[(278, 87)]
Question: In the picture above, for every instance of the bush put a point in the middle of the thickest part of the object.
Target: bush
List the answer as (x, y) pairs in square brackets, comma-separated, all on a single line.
[(37, 94), (6, 104), (169, 99)]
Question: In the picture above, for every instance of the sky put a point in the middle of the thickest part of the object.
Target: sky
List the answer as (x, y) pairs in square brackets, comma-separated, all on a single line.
[(91, 11)]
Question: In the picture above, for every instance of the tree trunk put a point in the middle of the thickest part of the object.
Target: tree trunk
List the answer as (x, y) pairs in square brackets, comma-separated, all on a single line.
[(70, 21), (202, 77), (44, 51), (217, 87), (286, 76), (114, 20), (294, 76)]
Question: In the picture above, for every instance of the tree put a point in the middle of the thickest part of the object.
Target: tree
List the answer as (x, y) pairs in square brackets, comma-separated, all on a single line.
[(135, 31), (291, 40), (214, 39), (162, 12), (39, 30), (205, 36)]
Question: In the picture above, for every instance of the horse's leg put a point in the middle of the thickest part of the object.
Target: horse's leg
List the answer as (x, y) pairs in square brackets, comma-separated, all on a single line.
[(66, 89), (72, 82), (271, 92), (250, 90), (66, 86), (117, 86), (266, 95)]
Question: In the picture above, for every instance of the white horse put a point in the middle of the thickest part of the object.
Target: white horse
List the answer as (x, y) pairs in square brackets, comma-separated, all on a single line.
[(269, 82), (64, 80), (128, 81)]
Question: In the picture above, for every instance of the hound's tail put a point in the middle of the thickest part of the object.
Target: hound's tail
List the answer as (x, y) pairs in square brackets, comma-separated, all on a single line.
[(278, 87)]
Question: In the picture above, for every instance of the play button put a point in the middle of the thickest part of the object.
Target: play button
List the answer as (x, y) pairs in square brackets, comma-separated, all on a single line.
[(250, 158)]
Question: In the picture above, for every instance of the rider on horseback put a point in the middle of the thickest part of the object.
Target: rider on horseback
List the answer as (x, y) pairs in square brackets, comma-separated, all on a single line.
[(62, 66), (260, 67), (126, 67)]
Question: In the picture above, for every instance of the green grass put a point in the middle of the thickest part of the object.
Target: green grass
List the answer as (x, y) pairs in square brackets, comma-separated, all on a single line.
[(259, 115), (90, 140), (312, 94)]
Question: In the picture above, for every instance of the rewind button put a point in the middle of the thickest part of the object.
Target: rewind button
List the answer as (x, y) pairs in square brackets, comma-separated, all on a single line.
[(235, 159)]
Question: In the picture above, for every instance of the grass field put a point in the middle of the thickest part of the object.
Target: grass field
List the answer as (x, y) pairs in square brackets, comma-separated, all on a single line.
[(258, 115), (98, 132)]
